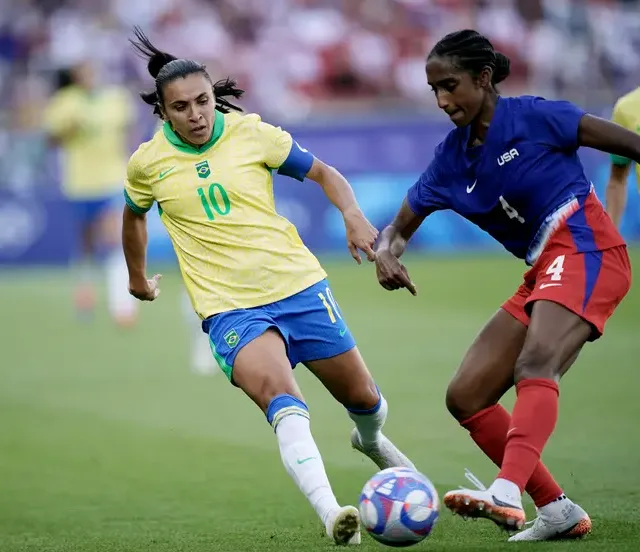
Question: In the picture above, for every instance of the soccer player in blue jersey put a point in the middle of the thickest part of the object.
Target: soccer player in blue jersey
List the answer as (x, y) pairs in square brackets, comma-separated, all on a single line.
[(263, 298), (511, 167)]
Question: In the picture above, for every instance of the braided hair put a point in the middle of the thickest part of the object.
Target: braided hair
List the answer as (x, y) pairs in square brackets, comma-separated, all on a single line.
[(472, 52)]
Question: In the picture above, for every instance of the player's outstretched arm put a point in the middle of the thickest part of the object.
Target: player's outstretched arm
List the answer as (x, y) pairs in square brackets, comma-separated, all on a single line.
[(607, 136), (612, 138), (134, 244), (361, 234), (392, 274)]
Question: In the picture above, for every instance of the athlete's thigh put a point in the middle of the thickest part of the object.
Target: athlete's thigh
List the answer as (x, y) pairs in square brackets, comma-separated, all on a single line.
[(108, 220), (554, 339), (573, 297), (86, 233), (262, 369), (250, 348), (590, 285), (347, 378), (315, 325), (487, 369), (320, 338)]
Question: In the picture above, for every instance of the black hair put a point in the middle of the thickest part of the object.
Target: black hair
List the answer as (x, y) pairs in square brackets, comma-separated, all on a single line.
[(165, 68), (472, 52), (63, 78)]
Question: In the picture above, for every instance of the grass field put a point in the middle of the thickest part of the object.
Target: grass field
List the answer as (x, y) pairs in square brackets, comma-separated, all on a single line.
[(109, 443)]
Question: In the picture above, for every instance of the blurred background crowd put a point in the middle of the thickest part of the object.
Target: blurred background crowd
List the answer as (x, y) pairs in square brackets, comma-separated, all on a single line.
[(298, 58), (304, 60)]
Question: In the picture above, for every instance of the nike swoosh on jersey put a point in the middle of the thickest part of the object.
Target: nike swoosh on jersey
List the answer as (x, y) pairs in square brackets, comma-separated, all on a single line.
[(165, 173), (470, 188), (542, 286)]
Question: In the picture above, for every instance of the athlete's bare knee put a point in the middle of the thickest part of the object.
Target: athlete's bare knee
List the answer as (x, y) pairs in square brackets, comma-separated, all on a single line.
[(463, 400), (262, 370), (347, 378), (362, 397), (270, 387)]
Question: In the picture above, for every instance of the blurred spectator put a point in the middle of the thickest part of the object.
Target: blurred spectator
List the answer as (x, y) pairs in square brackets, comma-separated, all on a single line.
[(304, 58)]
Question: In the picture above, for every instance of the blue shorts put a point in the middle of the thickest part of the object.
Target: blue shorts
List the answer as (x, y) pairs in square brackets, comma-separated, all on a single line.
[(86, 211), (310, 323)]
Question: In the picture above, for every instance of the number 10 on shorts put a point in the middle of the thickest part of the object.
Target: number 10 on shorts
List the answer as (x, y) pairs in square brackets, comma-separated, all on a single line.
[(330, 304)]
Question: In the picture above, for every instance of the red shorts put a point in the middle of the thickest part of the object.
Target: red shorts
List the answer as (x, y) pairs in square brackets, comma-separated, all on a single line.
[(589, 284)]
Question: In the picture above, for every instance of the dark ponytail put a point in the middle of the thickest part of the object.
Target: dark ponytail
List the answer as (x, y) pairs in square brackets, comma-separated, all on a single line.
[(472, 52), (502, 68), (165, 68)]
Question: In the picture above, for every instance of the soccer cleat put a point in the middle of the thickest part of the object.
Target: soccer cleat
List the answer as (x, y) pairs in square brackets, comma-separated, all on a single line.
[(482, 503), (575, 524), (383, 452), (344, 527)]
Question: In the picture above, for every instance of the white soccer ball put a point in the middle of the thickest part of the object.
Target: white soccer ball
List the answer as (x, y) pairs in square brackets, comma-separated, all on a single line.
[(399, 507)]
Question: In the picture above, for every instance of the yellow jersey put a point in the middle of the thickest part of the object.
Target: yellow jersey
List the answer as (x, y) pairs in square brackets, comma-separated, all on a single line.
[(626, 113), (216, 202), (91, 129)]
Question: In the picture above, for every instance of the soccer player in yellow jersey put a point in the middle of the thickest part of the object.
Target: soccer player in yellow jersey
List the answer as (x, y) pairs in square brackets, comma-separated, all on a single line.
[(90, 126), (262, 296), (626, 113)]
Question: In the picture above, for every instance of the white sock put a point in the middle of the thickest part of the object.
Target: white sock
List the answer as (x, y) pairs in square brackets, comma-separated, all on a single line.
[(507, 491), (303, 462), (121, 302), (369, 425), (559, 508)]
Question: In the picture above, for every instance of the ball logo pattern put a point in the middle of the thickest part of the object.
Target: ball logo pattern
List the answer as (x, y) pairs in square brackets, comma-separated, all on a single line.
[(399, 507)]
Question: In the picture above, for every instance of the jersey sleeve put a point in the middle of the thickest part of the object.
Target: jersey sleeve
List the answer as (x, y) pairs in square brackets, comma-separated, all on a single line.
[(425, 196), (282, 152), (620, 118), (555, 122), (137, 190)]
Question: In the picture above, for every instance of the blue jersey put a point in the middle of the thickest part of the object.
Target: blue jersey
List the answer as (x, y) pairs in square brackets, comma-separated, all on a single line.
[(520, 184)]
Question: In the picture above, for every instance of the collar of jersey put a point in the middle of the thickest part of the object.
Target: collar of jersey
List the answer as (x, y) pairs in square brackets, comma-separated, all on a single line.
[(492, 126), (176, 141)]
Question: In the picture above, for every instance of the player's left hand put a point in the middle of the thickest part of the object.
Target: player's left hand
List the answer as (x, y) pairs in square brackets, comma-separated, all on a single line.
[(147, 290), (361, 234)]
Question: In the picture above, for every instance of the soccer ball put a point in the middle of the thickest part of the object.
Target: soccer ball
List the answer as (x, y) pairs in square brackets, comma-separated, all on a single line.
[(399, 507)]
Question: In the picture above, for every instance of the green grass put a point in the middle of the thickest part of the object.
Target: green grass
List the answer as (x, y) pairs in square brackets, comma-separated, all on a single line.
[(109, 443)]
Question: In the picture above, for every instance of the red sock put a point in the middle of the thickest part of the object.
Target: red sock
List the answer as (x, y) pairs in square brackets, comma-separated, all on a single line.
[(488, 428), (532, 423)]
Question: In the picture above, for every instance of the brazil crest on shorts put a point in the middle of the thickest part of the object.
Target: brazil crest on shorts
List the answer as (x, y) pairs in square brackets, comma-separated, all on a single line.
[(232, 338)]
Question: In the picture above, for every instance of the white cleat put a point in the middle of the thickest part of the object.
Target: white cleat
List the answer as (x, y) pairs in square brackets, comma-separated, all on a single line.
[(574, 524), (482, 503), (383, 452), (344, 527)]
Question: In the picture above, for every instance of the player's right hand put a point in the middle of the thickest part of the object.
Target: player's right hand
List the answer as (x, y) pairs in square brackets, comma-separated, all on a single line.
[(145, 290), (392, 274)]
